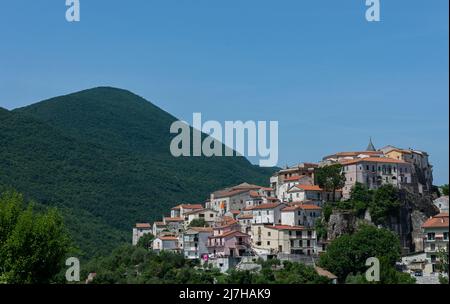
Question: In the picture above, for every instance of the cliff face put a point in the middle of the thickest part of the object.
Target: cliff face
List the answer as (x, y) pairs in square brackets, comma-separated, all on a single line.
[(340, 222), (413, 212)]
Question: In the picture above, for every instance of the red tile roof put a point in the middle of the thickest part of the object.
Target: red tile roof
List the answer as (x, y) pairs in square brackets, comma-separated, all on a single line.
[(267, 189), (386, 160), (292, 178), (159, 224), (168, 238), (254, 194), (307, 187), (173, 219), (301, 206), (245, 216), (437, 221), (188, 206), (143, 225), (202, 229), (230, 233)]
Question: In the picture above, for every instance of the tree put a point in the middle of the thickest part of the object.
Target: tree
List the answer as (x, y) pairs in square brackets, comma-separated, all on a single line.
[(442, 261), (330, 178), (385, 202), (444, 189), (199, 222), (146, 241), (348, 253), (32, 245)]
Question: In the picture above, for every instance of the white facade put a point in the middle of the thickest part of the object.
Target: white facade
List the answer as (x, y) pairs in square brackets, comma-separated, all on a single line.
[(139, 231), (267, 213)]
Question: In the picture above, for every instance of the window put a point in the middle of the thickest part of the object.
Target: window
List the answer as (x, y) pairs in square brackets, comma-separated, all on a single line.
[(269, 233), (433, 247), (268, 243), (367, 167), (431, 236), (445, 235)]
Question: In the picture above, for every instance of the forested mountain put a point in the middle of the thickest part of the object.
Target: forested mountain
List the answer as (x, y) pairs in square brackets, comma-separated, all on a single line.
[(102, 156)]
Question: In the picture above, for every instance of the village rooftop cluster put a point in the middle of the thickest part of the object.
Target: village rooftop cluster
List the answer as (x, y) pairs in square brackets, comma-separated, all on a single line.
[(246, 222)]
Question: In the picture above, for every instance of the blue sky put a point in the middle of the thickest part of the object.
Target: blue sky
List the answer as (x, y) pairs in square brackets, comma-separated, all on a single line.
[(328, 76)]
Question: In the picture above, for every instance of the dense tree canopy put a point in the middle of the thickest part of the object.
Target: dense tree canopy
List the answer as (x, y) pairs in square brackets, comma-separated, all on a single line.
[(32, 245), (135, 265), (200, 222), (348, 253), (330, 178)]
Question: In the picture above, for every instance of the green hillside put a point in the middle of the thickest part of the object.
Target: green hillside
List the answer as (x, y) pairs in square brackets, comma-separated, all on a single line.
[(102, 156)]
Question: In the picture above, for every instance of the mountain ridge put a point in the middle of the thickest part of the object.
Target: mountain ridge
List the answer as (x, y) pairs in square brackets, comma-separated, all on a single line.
[(103, 159)]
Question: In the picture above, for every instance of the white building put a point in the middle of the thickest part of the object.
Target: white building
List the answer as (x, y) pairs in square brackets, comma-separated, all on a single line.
[(195, 241), (267, 213), (208, 215), (374, 172), (180, 210), (301, 215), (139, 230), (168, 243), (435, 237)]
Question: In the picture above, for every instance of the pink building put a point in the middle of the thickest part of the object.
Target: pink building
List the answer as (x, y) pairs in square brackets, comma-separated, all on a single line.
[(229, 244)]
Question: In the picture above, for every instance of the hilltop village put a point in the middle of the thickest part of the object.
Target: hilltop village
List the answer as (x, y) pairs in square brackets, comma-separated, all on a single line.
[(240, 224)]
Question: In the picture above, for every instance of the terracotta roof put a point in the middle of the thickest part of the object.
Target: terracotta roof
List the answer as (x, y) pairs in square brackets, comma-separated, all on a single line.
[(307, 187), (373, 160), (355, 153), (267, 188), (254, 194), (285, 227), (188, 206), (143, 225), (301, 206), (235, 211), (264, 206), (245, 216), (226, 224), (168, 238), (292, 178), (229, 233), (325, 273), (173, 219), (202, 229), (437, 221), (159, 224), (199, 211), (241, 188), (310, 207)]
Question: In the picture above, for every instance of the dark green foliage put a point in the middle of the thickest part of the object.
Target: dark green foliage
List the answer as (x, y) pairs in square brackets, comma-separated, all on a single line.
[(200, 222), (385, 202), (382, 202), (348, 253), (444, 189), (102, 157), (135, 265), (330, 178), (321, 229), (146, 241), (32, 245)]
